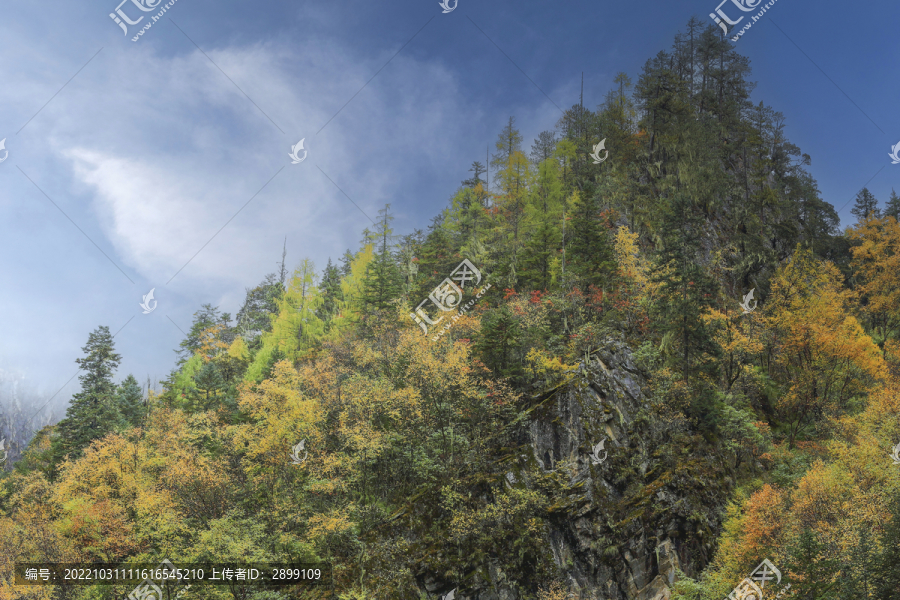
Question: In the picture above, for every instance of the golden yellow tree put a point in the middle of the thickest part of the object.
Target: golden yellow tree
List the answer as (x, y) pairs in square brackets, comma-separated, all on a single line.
[(817, 349)]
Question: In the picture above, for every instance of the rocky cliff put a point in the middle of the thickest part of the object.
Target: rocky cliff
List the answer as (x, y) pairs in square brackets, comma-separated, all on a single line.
[(647, 503)]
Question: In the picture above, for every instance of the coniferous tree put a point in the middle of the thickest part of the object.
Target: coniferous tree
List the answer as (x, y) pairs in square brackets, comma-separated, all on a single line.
[(892, 209), (543, 147), (208, 381), (543, 220), (130, 401), (260, 304), (478, 169), (686, 289), (816, 570), (499, 342), (346, 262), (589, 255), (858, 579), (383, 280), (331, 291), (92, 413), (865, 206), (509, 141), (208, 316)]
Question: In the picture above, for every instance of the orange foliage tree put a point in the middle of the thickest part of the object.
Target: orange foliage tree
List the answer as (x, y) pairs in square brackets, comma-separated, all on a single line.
[(816, 348)]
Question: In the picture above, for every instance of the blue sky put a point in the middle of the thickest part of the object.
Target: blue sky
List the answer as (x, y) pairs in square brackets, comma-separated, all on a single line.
[(126, 158)]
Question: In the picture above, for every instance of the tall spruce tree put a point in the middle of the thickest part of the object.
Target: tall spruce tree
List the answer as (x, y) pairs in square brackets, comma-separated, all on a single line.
[(589, 254), (331, 291), (208, 316), (686, 289), (93, 412), (892, 208), (478, 169), (130, 401), (383, 280), (508, 143), (543, 147), (865, 205), (260, 304), (810, 559)]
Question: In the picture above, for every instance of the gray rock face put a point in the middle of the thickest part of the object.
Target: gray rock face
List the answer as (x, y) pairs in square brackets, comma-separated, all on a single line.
[(603, 541)]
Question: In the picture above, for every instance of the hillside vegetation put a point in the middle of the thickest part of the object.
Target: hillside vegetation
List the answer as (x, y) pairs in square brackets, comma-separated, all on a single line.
[(419, 473)]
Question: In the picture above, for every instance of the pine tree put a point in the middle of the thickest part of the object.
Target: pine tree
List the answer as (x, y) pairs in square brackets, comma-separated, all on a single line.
[(499, 341), (865, 206), (892, 209), (209, 381), (260, 304), (92, 413), (130, 401), (543, 219), (382, 281), (589, 254), (346, 262), (208, 316), (508, 143), (475, 179), (331, 291), (543, 147), (814, 569), (686, 289), (857, 581)]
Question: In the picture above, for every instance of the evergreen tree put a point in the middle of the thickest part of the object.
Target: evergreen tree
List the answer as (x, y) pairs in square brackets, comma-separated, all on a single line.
[(260, 304), (508, 143), (865, 206), (543, 147), (331, 291), (209, 381), (892, 209), (437, 259), (686, 290), (130, 401), (499, 342), (475, 179), (589, 255), (92, 413), (383, 281), (858, 579), (543, 219), (208, 316), (814, 569), (346, 262), (408, 259)]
